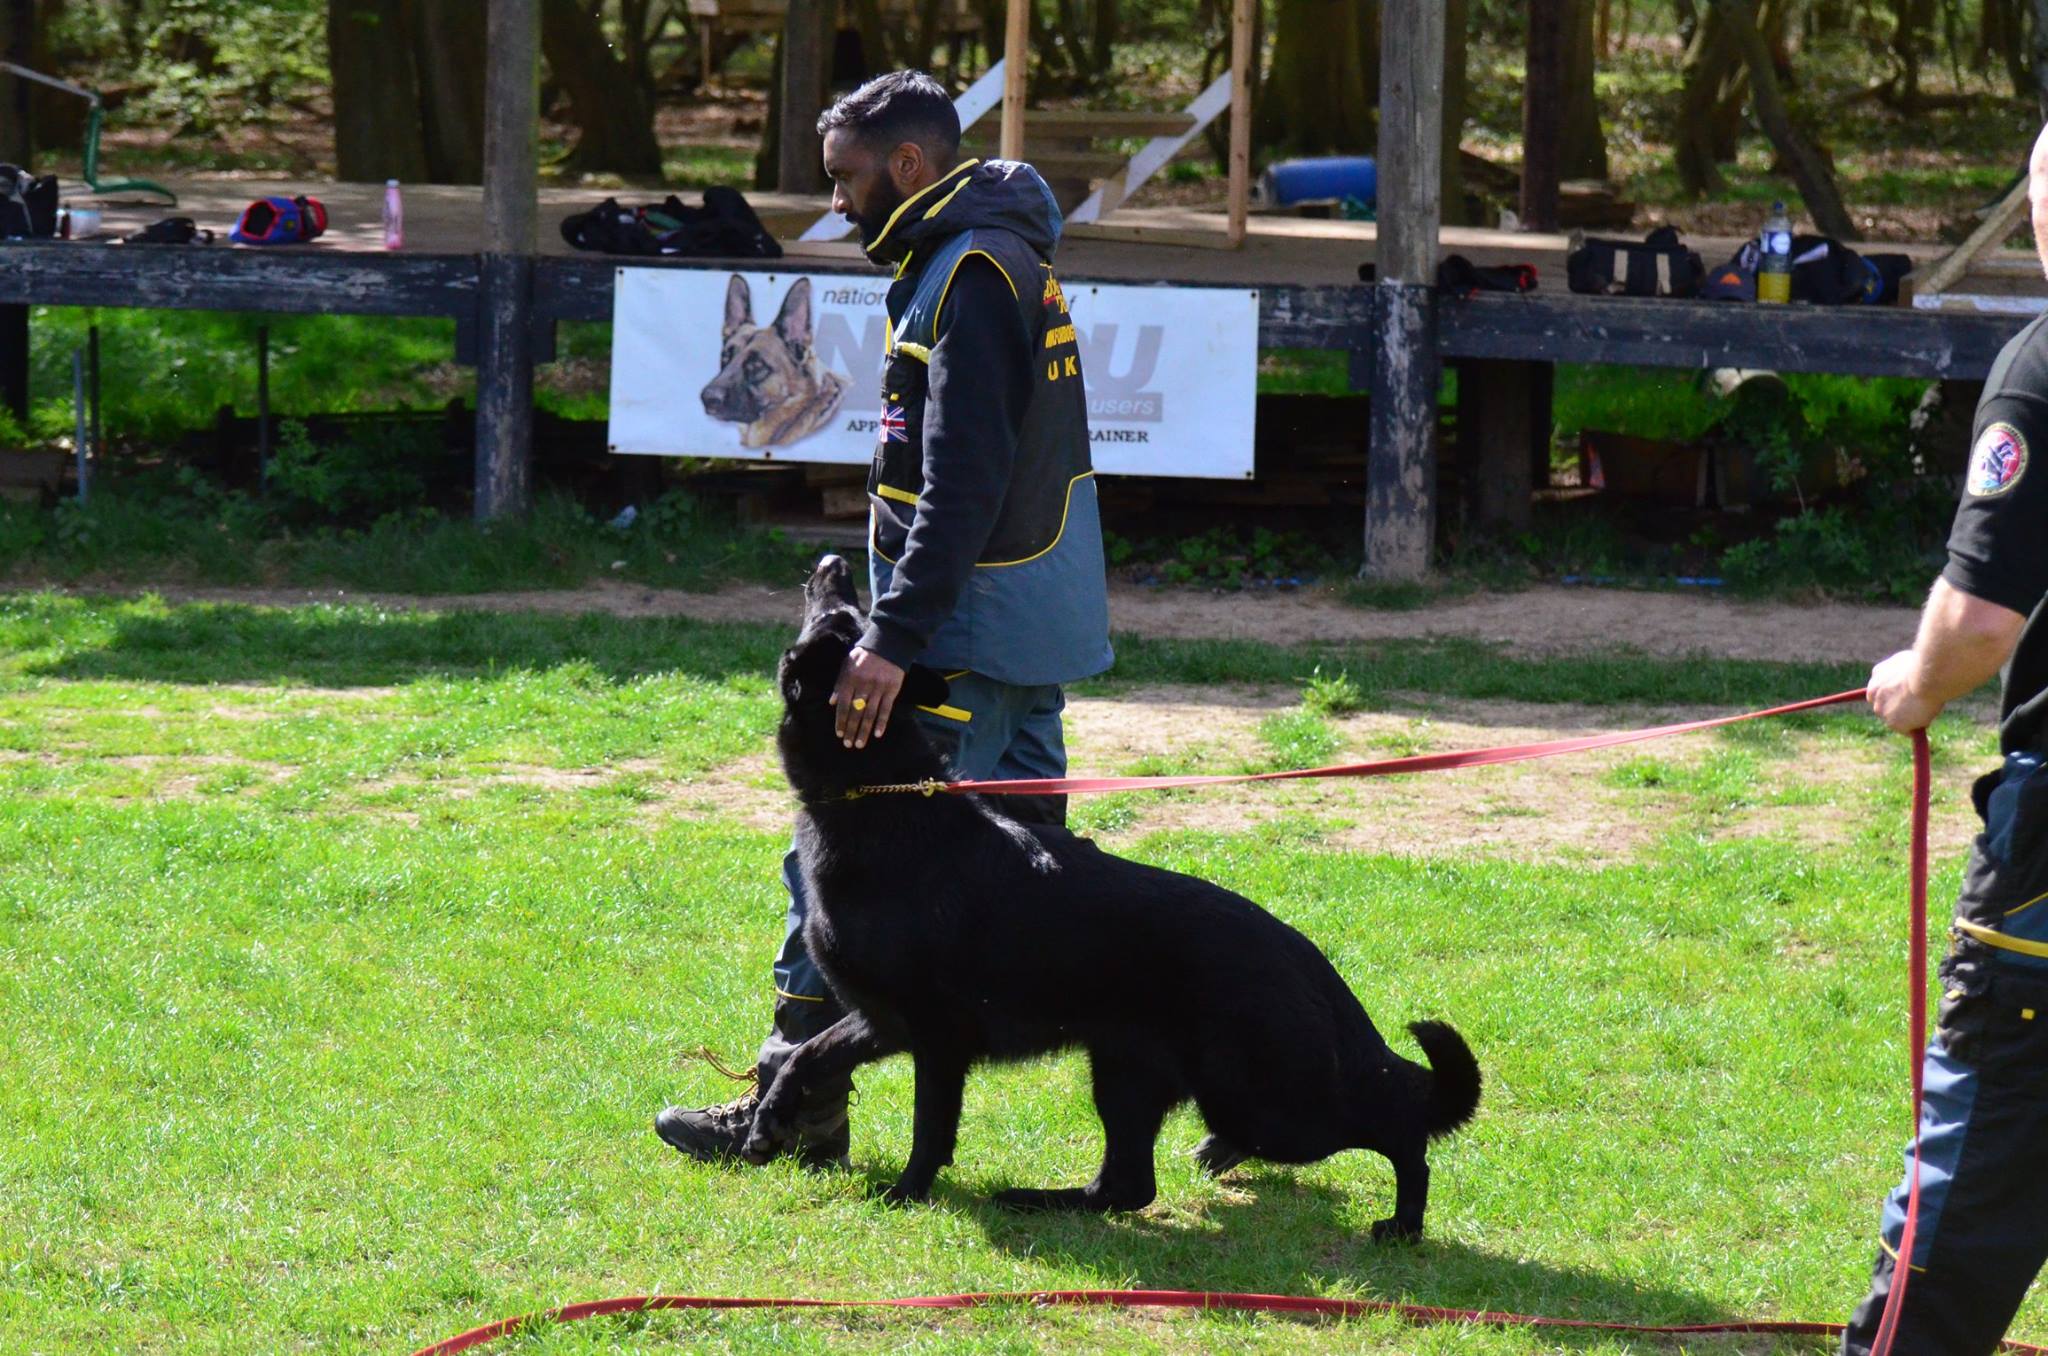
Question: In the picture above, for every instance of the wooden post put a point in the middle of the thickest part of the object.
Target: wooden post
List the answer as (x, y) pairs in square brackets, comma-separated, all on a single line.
[(1542, 114), (504, 367), (1503, 421), (1240, 117), (1017, 63), (806, 74), (14, 361), (1400, 471)]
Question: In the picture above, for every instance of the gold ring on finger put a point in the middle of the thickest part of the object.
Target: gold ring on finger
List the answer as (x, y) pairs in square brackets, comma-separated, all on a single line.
[(860, 703)]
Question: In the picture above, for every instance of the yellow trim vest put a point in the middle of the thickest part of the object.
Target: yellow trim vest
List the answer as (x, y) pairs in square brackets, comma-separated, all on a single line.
[(1035, 609)]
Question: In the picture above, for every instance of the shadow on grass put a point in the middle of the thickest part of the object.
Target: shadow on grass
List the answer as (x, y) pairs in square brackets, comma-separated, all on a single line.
[(365, 647), (1277, 1235)]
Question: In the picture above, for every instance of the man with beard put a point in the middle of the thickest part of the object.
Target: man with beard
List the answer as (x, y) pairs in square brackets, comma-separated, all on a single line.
[(985, 547)]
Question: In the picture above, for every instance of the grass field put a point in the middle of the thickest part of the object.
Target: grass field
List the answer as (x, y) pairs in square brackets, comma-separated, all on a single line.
[(345, 956)]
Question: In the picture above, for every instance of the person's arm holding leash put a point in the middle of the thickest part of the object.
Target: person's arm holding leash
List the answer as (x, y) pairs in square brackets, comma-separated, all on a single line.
[(1962, 643), (980, 381)]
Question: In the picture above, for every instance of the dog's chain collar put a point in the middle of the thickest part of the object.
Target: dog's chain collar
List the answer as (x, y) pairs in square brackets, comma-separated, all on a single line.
[(930, 786)]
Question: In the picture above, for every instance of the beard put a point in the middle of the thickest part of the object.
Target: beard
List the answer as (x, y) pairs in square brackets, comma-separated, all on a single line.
[(869, 222)]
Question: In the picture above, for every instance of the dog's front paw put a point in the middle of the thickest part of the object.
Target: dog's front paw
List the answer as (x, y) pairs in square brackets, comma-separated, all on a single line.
[(1394, 1231), (903, 1193), (770, 1135)]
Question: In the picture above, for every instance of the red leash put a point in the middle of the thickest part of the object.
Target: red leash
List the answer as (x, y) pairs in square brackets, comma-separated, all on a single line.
[(1298, 1304)]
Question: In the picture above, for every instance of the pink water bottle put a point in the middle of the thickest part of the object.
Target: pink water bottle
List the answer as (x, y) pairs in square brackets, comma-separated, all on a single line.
[(394, 216)]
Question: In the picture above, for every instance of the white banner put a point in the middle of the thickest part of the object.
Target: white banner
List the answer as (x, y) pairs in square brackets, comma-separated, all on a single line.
[(788, 366)]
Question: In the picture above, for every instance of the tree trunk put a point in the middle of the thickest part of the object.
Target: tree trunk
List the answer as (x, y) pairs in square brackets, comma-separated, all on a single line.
[(1105, 26), (451, 83), (1323, 86), (18, 43), (1456, 85), (1709, 63), (2037, 54), (1910, 22), (1582, 146), (377, 132), (615, 124), (1809, 170), (1542, 111), (806, 66)]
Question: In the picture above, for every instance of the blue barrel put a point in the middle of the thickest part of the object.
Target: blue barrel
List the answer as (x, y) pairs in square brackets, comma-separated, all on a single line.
[(1320, 177)]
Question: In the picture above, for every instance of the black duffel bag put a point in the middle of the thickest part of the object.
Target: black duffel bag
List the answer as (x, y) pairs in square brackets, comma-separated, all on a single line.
[(1659, 265), (28, 204)]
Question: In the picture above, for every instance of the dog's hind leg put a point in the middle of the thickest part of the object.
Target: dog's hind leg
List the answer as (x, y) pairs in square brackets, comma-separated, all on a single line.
[(839, 1049), (1134, 1089), (934, 1123), (1411, 1197)]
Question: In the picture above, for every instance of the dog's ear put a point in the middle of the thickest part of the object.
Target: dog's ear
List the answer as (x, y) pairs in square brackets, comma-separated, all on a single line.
[(924, 687), (794, 322), (739, 304)]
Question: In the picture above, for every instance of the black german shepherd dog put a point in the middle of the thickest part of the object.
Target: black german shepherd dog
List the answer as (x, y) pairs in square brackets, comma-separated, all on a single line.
[(959, 935)]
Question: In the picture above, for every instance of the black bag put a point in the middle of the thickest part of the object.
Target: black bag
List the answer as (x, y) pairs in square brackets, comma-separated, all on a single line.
[(1829, 273), (1458, 276), (28, 204), (1825, 272), (169, 231), (725, 227), (1658, 266)]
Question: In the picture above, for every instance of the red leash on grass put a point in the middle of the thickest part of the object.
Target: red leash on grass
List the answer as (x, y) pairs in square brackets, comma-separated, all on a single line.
[(1298, 1304)]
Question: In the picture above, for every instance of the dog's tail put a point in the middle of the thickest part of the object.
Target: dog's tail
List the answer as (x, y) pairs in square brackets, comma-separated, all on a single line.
[(1453, 1076)]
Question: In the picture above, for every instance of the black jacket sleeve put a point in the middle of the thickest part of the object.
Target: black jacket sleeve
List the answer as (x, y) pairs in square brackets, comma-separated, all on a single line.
[(1996, 548), (979, 383)]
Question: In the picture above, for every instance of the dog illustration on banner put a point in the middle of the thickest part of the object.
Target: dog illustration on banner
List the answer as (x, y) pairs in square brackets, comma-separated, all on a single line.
[(769, 380)]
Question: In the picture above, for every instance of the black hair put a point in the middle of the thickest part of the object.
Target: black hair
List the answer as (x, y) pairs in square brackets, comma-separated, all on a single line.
[(901, 106)]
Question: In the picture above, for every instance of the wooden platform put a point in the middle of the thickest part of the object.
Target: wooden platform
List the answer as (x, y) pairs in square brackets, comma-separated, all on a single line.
[(1306, 272)]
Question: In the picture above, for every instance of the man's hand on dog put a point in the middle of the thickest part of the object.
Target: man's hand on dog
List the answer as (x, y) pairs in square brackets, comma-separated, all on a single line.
[(867, 690)]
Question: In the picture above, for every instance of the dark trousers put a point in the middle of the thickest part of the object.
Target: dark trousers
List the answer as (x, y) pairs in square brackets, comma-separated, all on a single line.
[(986, 731), (1983, 1227)]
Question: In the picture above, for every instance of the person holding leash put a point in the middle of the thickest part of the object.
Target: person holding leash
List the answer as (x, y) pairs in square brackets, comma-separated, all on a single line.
[(1983, 1225), (985, 545)]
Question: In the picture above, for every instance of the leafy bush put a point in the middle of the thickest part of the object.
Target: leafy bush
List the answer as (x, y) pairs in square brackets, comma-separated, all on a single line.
[(363, 476), (1331, 694)]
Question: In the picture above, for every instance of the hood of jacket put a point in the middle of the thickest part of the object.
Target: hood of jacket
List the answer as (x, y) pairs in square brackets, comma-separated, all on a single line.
[(1005, 194)]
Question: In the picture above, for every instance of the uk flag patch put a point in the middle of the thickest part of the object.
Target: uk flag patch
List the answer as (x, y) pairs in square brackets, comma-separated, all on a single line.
[(895, 428), (1997, 461)]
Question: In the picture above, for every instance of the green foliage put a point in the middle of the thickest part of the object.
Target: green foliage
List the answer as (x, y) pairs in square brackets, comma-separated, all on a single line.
[(363, 475), (175, 525), (1331, 694), (1223, 557)]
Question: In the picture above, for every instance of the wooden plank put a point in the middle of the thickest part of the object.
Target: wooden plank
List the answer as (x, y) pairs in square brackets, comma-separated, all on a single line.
[(215, 278), (1104, 122), (1498, 403), (1057, 164), (504, 377), (1400, 497), (1874, 341), (1990, 233), (1154, 154), (1542, 114), (1240, 191), (1017, 62)]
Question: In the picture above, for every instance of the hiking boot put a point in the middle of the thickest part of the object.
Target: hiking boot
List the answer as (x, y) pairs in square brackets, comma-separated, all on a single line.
[(714, 1134), (711, 1134)]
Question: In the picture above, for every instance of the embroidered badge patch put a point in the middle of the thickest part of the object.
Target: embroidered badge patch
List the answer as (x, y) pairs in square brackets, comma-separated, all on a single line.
[(895, 428), (1997, 461)]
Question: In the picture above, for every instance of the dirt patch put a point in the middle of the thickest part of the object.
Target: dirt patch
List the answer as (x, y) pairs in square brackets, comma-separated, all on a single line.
[(1562, 809), (1547, 620)]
